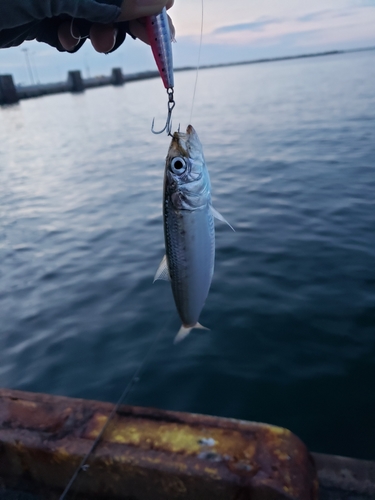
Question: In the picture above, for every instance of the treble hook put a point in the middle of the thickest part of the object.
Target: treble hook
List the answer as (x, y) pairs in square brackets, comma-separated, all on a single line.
[(168, 123)]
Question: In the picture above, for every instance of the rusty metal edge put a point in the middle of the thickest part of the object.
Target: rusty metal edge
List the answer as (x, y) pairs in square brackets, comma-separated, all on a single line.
[(42, 426)]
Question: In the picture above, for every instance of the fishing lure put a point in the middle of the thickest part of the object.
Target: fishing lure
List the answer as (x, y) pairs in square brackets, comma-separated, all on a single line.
[(160, 38)]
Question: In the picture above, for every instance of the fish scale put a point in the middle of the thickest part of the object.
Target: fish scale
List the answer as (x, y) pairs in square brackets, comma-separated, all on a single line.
[(190, 256)]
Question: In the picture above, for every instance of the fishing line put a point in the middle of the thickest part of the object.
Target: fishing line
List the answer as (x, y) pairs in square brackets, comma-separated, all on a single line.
[(198, 63), (83, 466)]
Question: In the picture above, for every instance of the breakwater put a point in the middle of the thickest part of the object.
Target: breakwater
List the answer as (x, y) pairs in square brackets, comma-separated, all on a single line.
[(11, 93)]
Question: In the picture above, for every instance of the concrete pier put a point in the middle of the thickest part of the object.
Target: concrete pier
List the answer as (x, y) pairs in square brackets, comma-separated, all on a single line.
[(8, 92), (75, 81), (11, 93), (117, 76)]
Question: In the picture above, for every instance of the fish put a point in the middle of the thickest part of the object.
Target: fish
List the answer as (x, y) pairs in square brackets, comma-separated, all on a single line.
[(189, 230)]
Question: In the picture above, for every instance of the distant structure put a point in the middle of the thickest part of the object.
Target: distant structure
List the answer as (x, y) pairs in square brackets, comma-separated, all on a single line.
[(117, 76), (8, 91), (75, 81), (11, 93)]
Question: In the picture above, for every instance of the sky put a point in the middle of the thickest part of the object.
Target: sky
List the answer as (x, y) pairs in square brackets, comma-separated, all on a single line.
[(234, 30)]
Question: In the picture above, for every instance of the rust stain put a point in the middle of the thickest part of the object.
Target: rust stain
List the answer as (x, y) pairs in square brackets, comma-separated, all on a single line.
[(174, 438)]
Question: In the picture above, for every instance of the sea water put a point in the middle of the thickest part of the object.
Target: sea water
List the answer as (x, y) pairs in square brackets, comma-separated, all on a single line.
[(290, 147)]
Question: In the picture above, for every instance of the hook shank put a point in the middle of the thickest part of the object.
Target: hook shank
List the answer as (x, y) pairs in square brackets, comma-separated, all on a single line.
[(168, 124)]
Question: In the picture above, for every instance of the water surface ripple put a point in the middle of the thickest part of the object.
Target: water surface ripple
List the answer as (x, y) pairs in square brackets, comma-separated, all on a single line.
[(291, 152)]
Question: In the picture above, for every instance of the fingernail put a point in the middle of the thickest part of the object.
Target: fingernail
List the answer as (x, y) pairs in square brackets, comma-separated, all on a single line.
[(172, 30)]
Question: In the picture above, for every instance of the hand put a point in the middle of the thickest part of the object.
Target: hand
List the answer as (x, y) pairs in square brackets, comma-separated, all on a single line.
[(104, 36), (137, 22)]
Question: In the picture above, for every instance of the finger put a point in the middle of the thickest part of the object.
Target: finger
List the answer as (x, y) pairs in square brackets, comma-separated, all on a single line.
[(69, 35), (103, 37), (138, 29), (134, 9)]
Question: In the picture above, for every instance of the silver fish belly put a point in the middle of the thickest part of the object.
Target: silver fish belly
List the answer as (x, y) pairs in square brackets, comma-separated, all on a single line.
[(189, 230)]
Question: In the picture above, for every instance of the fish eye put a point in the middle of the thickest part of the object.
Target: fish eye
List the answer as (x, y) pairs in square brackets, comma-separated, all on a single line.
[(178, 165)]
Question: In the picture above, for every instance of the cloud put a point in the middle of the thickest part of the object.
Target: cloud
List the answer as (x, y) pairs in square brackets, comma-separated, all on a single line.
[(364, 3), (322, 15), (252, 26), (320, 27), (262, 23)]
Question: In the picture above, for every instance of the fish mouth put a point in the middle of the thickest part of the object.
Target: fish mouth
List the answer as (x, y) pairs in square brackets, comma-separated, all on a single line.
[(181, 142)]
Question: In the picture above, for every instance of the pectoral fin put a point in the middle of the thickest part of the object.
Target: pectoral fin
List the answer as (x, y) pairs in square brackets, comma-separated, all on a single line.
[(163, 272), (218, 215)]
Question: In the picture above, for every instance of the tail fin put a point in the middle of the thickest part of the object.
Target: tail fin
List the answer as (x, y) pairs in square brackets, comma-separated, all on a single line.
[(185, 330)]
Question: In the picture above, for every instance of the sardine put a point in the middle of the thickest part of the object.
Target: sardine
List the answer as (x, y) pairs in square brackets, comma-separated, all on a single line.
[(189, 231)]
